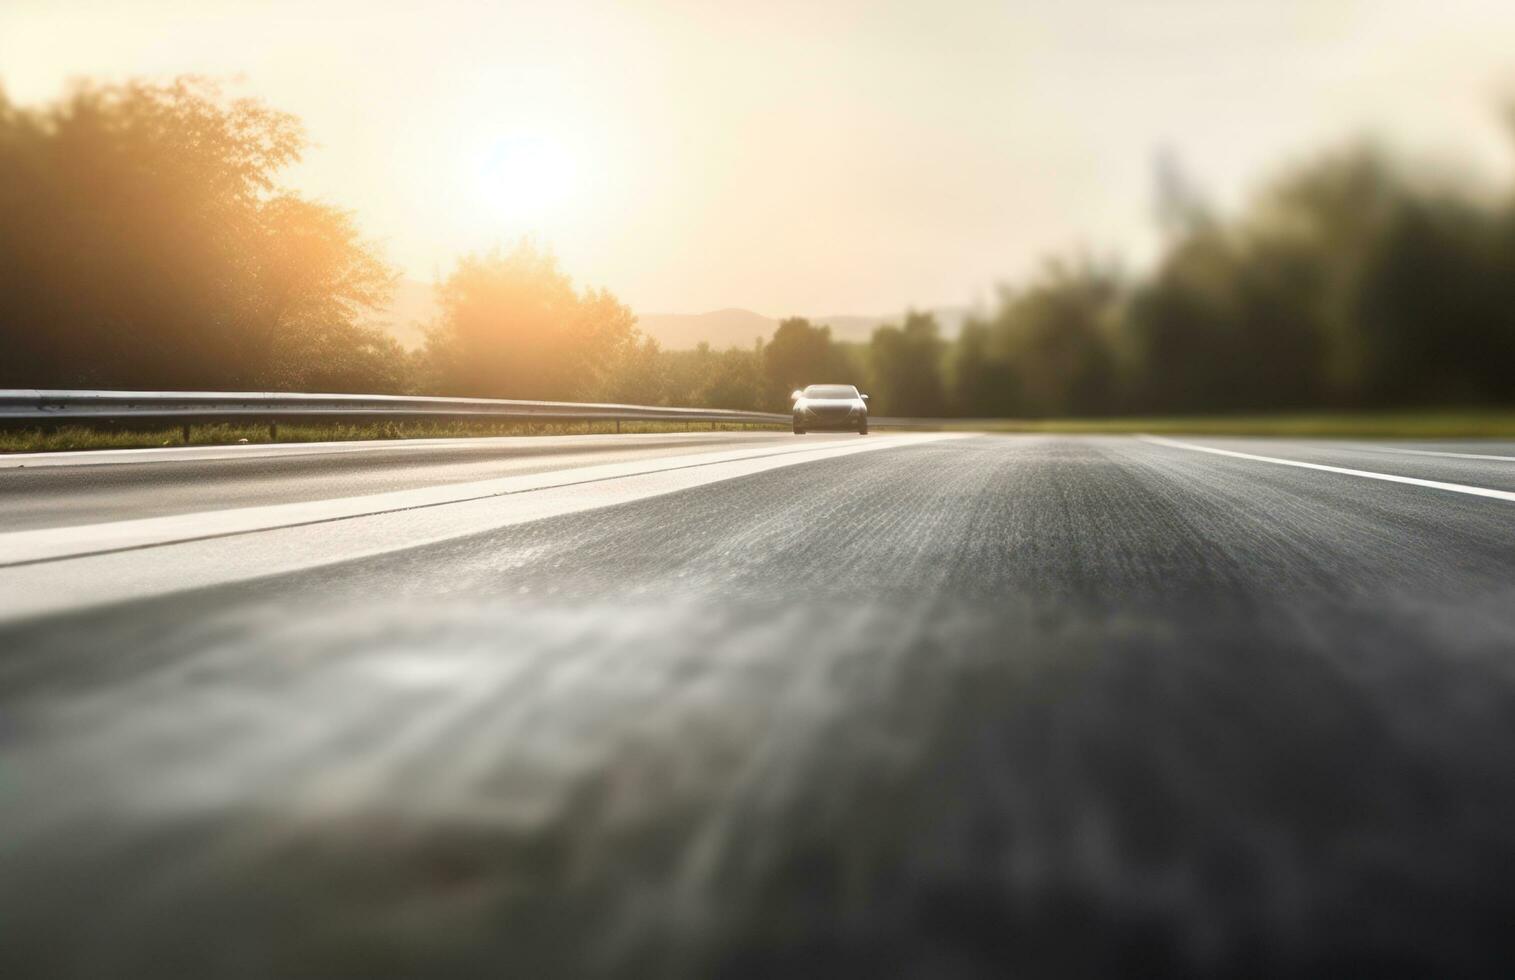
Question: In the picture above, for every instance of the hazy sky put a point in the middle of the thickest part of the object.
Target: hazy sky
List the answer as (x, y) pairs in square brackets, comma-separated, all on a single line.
[(798, 157)]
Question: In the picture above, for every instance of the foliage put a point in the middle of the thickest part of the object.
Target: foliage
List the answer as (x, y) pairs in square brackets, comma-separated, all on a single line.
[(1054, 342), (799, 354), (144, 243), (1351, 282), (907, 367)]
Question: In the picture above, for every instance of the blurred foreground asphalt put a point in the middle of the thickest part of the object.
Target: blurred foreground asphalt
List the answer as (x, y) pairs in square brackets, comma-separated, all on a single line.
[(985, 706)]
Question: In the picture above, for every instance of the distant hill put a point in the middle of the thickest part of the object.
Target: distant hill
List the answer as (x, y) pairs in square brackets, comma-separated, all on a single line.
[(415, 305)]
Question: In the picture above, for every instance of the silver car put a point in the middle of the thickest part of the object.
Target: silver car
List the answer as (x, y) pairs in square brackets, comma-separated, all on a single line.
[(837, 407)]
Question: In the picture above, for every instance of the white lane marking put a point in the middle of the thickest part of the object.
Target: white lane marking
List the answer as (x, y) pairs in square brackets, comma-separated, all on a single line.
[(1386, 477), (1436, 452), (194, 454), (53, 543), (74, 583)]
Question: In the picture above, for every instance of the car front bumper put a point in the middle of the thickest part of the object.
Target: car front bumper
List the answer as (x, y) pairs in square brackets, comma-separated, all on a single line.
[(821, 423)]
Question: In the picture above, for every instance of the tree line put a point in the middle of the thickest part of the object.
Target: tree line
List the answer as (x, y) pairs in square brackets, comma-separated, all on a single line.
[(146, 242)]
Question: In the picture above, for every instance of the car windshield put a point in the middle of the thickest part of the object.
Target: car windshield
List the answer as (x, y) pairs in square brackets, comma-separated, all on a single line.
[(831, 391)]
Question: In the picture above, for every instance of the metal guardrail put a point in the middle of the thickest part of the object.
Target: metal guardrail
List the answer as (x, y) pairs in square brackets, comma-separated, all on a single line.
[(31, 406), (52, 407)]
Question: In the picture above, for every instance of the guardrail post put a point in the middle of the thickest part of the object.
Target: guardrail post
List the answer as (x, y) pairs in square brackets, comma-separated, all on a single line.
[(273, 431), (617, 426), (184, 430)]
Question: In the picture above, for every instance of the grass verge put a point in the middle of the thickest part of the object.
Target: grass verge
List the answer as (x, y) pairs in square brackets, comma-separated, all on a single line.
[(1397, 425), (77, 437), (1390, 425)]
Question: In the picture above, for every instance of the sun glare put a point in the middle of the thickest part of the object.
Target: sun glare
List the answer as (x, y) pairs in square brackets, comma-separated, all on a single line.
[(526, 178)]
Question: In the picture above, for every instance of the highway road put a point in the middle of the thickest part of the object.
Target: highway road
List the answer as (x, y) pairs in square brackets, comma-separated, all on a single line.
[(757, 705)]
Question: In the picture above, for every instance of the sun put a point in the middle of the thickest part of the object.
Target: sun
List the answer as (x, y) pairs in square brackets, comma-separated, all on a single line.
[(526, 178)]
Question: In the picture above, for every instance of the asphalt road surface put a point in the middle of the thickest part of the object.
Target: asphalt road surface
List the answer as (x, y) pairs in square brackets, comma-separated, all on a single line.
[(756, 705)]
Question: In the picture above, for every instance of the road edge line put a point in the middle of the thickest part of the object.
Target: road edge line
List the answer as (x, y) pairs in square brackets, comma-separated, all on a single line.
[(1368, 474)]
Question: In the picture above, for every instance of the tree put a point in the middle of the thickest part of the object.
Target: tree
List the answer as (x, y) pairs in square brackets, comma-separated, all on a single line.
[(1057, 337), (1437, 307), (637, 374), (1179, 207), (1183, 327), (981, 384), (800, 354), (907, 367), (513, 326), (735, 379), (1325, 220), (144, 243), (315, 280)]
